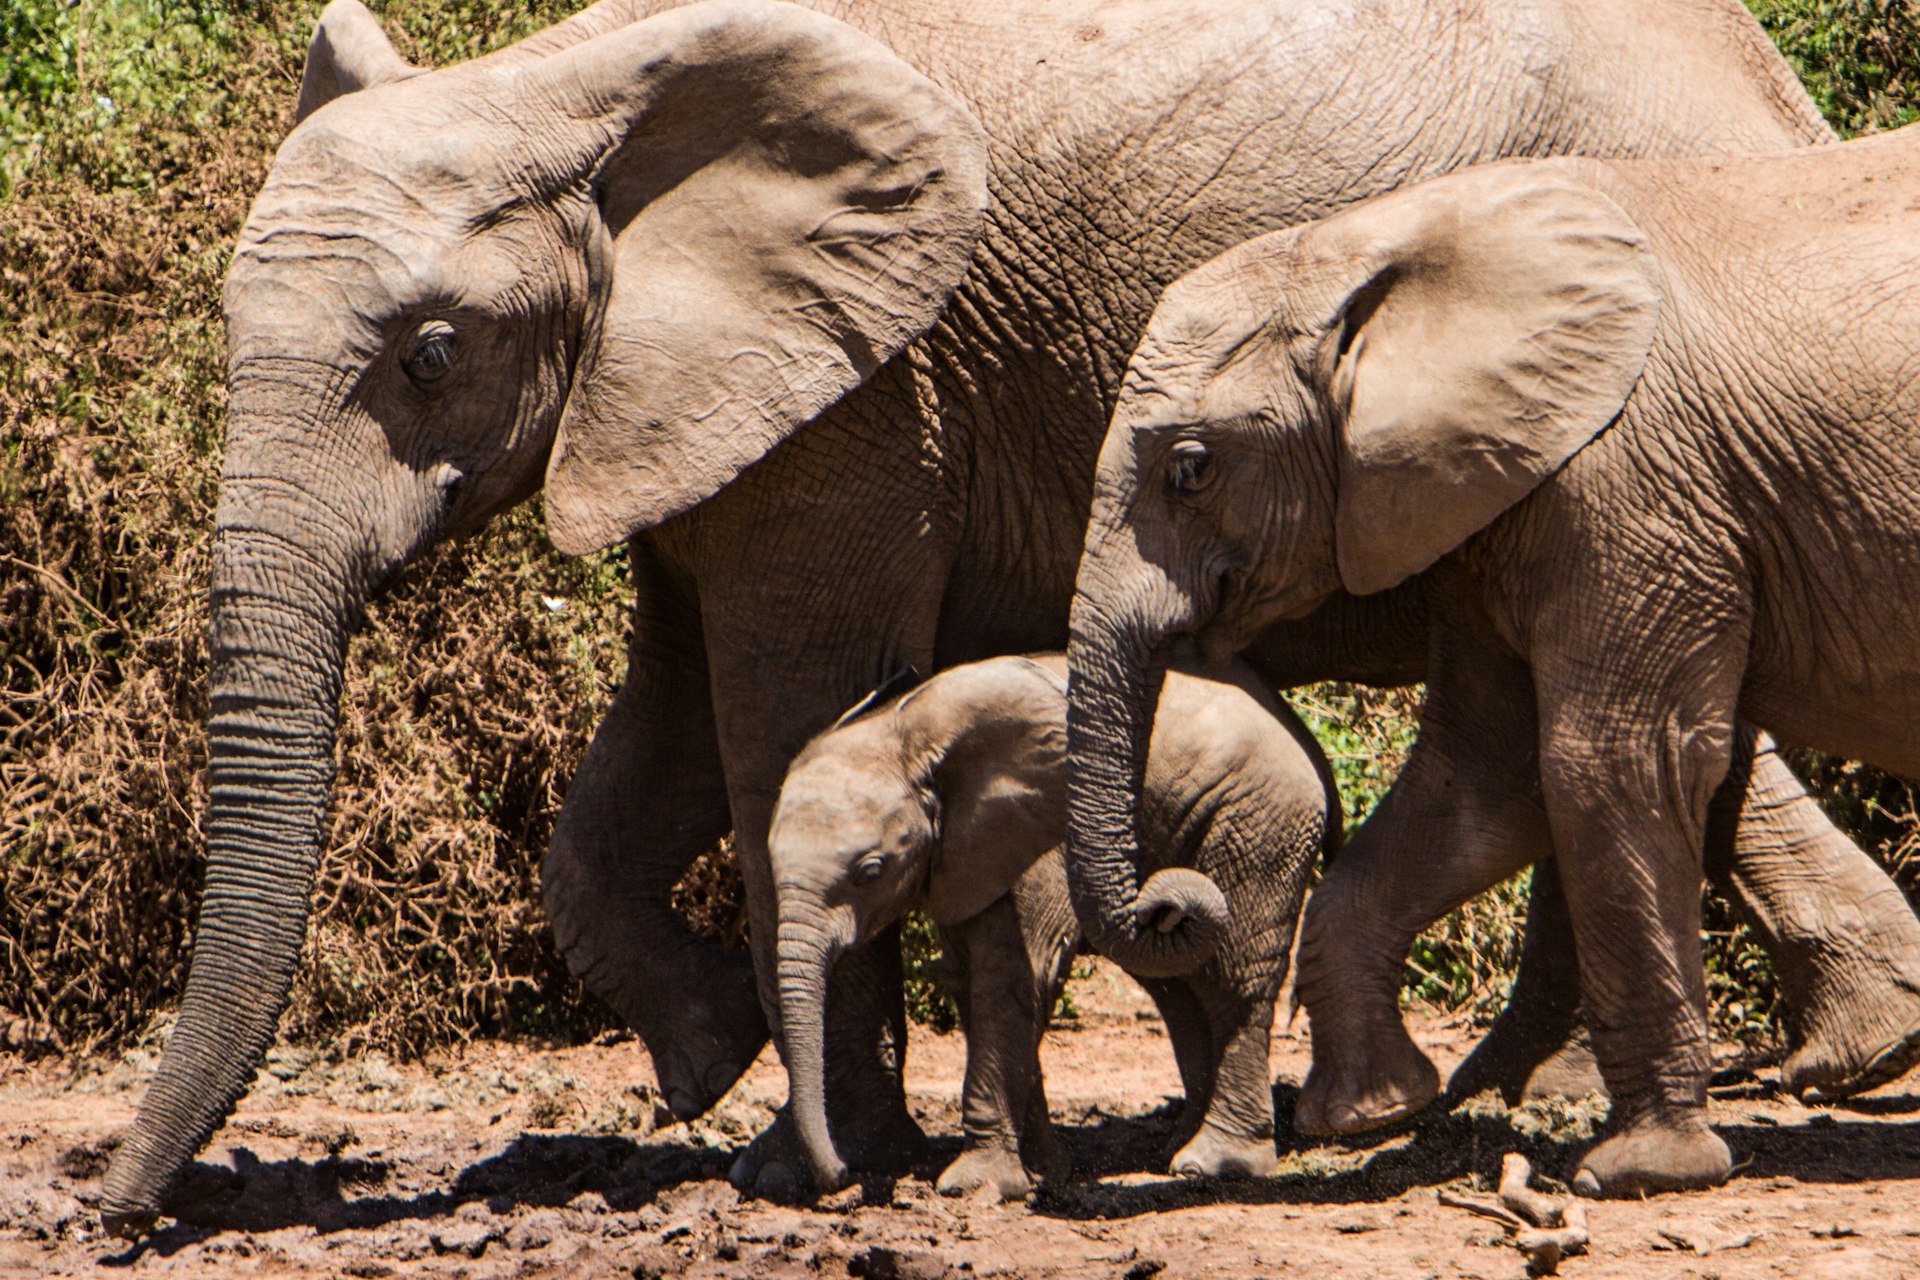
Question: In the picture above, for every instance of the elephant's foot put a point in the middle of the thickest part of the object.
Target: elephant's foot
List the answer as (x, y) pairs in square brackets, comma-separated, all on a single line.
[(1660, 1152), (774, 1167), (703, 1046), (1873, 1039), (1364, 1082), (1215, 1153), (989, 1172), (1526, 1062)]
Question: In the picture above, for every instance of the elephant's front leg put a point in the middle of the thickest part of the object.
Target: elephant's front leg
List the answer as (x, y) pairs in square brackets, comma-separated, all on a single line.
[(1636, 736), (1004, 1013), (648, 799), (1453, 825)]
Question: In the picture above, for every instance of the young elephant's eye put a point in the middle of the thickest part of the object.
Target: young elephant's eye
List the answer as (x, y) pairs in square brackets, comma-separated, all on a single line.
[(1189, 466), (430, 357), (871, 868)]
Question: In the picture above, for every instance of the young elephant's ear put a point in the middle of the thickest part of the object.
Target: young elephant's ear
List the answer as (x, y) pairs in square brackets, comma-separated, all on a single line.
[(789, 204), (997, 732), (349, 53), (1480, 330)]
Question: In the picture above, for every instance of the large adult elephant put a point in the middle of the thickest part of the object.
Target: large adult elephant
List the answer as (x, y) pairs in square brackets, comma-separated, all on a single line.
[(625, 258)]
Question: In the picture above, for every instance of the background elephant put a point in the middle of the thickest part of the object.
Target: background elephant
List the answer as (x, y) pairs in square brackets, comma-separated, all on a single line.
[(958, 791), (642, 249), (1618, 413)]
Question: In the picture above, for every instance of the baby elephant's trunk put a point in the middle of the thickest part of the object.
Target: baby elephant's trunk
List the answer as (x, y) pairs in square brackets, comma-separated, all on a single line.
[(808, 947)]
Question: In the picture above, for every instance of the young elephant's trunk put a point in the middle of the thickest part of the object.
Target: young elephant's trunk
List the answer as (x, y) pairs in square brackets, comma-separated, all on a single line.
[(1172, 924), (808, 945)]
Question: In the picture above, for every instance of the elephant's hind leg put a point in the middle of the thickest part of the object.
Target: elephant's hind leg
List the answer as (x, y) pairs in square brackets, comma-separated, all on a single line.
[(1844, 942), (648, 799), (1538, 1047), (1231, 1133)]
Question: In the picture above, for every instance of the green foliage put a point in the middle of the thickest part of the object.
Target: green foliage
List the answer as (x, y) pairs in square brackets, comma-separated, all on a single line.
[(1366, 734), (927, 1000), (1860, 59)]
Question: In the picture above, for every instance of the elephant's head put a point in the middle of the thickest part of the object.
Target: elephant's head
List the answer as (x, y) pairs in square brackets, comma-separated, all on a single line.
[(624, 259), (1330, 407), (953, 790)]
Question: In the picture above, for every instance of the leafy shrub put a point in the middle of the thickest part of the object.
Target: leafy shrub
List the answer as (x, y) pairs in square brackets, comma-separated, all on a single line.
[(1860, 59)]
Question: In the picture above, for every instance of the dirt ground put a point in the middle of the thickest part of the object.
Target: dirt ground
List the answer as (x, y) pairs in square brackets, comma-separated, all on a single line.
[(502, 1161)]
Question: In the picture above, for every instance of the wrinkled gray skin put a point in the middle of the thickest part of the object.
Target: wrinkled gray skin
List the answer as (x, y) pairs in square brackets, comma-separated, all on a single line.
[(625, 258), (1649, 431), (956, 794)]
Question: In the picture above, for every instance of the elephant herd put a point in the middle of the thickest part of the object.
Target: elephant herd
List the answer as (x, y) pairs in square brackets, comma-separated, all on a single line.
[(827, 319)]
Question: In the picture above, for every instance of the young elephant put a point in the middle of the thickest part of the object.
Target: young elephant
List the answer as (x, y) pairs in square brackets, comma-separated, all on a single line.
[(956, 791), (1652, 428)]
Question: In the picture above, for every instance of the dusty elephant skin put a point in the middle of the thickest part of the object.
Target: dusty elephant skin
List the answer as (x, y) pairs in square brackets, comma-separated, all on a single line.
[(1649, 430), (956, 792), (624, 257)]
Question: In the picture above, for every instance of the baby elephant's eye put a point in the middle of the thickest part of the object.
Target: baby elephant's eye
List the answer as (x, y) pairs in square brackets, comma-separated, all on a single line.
[(430, 357), (1189, 466), (871, 868)]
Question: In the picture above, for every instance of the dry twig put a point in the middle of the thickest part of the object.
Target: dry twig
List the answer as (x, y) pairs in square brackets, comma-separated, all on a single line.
[(1543, 1228)]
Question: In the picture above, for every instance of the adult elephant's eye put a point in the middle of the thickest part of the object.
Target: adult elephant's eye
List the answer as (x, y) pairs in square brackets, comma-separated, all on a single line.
[(430, 357), (1189, 466), (871, 868)]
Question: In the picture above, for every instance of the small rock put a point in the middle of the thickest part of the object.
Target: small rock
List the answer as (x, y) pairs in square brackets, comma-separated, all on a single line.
[(469, 1239), (655, 1262), (588, 1202), (1144, 1269), (1837, 1231), (878, 1262), (726, 1246), (845, 1200), (536, 1231), (474, 1211)]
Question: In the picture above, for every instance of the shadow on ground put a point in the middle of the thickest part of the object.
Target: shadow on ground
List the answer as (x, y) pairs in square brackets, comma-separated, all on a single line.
[(1439, 1148), (1118, 1162), (340, 1194)]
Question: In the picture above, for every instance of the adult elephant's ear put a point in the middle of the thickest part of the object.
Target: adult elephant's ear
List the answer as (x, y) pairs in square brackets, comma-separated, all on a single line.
[(349, 52), (1476, 332), (789, 205)]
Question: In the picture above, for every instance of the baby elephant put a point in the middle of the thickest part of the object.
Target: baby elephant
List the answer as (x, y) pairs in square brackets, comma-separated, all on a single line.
[(955, 793)]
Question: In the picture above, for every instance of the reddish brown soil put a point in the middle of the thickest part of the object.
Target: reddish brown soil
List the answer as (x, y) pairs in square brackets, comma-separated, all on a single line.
[(503, 1162)]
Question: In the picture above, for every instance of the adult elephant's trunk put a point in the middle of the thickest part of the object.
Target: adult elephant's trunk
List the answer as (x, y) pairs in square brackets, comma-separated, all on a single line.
[(808, 944), (1116, 657), (290, 569)]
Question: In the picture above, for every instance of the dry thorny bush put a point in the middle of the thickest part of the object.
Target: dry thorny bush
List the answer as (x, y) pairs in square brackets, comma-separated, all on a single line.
[(469, 694)]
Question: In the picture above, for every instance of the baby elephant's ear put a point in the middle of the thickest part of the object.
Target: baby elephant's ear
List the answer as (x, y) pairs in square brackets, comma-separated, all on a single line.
[(1486, 327), (998, 730), (789, 203), (349, 53)]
